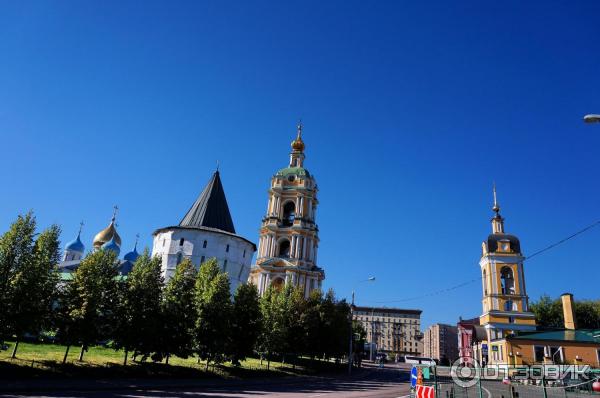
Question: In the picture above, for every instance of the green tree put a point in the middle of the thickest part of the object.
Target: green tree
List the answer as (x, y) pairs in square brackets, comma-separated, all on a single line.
[(272, 336), (291, 310), (139, 323), (246, 322), (587, 314), (311, 320), (90, 301), (178, 311), (212, 332), (16, 253), (548, 312), (34, 287)]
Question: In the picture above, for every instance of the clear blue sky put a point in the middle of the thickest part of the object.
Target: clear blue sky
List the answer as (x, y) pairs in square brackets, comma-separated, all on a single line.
[(411, 111)]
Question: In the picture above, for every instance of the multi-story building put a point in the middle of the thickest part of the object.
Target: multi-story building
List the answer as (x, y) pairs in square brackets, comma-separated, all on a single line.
[(391, 330), (440, 342)]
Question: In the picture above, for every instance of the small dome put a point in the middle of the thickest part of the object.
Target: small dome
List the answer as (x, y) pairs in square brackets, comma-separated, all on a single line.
[(298, 145), (106, 235), (132, 255), (495, 240), (75, 245), (112, 245)]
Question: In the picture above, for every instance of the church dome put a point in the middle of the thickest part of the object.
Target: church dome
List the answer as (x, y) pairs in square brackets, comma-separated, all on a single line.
[(112, 245), (106, 235), (132, 255), (494, 242), (298, 145), (75, 245)]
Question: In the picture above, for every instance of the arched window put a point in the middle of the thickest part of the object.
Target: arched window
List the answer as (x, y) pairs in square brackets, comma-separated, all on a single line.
[(204, 244), (278, 284), (507, 281), (508, 305), (179, 258), (284, 248), (181, 241), (289, 213)]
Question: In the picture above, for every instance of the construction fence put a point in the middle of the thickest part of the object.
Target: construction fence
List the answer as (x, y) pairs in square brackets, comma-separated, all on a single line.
[(509, 382)]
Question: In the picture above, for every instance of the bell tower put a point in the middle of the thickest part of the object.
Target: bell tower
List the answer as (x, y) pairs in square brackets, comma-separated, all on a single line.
[(505, 302), (288, 244)]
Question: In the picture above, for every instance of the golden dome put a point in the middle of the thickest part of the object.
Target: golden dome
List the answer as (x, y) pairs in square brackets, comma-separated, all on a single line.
[(298, 144), (106, 235)]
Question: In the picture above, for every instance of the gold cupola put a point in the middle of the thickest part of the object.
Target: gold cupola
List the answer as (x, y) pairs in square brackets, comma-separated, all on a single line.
[(298, 144), (108, 233)]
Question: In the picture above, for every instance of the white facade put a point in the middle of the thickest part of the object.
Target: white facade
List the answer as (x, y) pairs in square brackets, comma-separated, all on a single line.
[(233, 253)]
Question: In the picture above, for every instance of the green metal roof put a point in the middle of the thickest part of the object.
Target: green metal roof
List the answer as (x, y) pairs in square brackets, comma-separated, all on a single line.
[(580, 335), (299, 171)]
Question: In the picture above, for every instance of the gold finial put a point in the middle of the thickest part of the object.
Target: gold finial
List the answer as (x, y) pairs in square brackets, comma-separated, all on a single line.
[(137, 238), (496, 207), (298, 144)]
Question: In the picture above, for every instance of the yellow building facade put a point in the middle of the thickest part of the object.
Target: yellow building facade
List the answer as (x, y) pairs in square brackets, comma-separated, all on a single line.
[(505, 302), (289, 241)]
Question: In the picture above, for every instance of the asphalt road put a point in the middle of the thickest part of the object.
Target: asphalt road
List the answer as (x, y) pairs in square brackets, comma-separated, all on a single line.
[(390, 382)]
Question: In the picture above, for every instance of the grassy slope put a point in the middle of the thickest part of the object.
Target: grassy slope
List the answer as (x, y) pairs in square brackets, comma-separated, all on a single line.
[(39, 360)]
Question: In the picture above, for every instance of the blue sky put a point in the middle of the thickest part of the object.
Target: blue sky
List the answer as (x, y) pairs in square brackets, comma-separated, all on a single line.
[(411, 111)]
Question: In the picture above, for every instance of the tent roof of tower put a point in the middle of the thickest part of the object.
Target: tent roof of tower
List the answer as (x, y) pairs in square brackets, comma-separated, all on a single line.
[(299, 171), (494, 239), (210, 209)]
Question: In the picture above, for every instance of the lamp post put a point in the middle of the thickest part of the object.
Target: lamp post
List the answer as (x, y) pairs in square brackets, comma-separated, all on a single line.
[(350, 357), (591, 118)]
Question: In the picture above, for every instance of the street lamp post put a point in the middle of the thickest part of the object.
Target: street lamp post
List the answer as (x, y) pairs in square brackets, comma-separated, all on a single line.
[(350, 357)]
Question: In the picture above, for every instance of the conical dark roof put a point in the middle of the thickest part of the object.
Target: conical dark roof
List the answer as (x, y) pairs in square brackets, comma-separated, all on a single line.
[(210, 209)]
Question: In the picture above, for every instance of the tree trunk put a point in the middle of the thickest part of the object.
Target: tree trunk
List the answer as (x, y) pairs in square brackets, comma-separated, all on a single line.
[(125, 359), (81, 352), (167, 359), (66, 354), (14, 353), (207, 361)]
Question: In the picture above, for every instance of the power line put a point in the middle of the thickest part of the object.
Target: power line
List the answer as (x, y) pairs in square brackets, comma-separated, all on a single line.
[(455, 287)]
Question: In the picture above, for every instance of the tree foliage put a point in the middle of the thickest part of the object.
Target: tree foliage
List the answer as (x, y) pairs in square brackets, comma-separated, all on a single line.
[(178, 311), (212, 331), (549, 313), (139, 321), (246, 322), (91, 300)]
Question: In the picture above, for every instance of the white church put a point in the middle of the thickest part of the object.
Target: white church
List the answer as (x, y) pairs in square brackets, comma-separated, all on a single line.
[(206, 231)]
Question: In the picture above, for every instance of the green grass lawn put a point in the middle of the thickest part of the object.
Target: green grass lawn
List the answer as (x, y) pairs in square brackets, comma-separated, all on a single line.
[(38, 360)]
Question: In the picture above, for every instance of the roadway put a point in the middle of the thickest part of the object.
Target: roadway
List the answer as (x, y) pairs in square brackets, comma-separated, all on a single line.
[(389, 382)]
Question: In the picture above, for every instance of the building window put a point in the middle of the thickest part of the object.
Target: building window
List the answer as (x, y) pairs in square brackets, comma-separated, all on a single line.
[(227, 249), (181, 241), (244, 255), (179, 258), (508, 304), (164, 240), (507, 281), (284, 248), (225, 265), (556, 354), (538, 353), (204, 244), (202, 260), (289, 214)]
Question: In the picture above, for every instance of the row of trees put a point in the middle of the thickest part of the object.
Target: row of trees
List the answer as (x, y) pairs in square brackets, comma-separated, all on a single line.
[(193, 314), (549, 313)]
